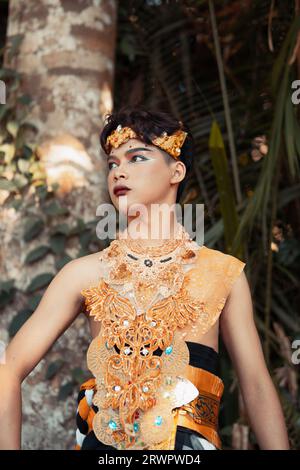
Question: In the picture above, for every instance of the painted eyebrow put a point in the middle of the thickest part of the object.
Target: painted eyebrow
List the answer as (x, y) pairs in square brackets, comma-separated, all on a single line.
[(131, 151)]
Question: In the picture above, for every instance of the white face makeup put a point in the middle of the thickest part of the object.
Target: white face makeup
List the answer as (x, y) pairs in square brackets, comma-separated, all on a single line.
[(145, 170)]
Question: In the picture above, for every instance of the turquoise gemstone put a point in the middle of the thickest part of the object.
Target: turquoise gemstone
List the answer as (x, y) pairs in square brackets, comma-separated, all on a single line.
[(158, 420), (169, 349), (135, 427), (112, 424)]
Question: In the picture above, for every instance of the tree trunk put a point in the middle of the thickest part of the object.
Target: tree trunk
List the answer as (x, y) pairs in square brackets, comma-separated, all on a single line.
[(66, 61)]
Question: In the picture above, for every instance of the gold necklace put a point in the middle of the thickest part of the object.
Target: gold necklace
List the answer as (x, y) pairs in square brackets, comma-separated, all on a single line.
[(166, 247)]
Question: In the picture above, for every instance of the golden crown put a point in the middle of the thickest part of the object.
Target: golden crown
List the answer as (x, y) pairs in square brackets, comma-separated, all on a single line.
[(169, 143)]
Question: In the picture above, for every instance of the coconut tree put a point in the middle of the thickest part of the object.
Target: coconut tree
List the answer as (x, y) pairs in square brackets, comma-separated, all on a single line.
[(58, 65)]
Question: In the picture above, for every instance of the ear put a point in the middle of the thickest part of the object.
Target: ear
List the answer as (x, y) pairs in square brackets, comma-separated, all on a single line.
[(178, 172)]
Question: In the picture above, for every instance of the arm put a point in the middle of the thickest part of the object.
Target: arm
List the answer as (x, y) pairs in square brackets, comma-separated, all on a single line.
[(57, 309), (243, 344)]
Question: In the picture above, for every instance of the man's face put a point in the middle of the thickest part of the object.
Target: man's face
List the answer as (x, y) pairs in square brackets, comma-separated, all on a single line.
[(143, 168)]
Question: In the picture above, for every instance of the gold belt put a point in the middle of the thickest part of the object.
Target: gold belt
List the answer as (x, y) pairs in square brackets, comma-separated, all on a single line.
[(201, 414)]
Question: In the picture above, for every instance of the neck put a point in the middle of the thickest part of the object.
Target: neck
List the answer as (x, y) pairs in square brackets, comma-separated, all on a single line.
[(153, 231)]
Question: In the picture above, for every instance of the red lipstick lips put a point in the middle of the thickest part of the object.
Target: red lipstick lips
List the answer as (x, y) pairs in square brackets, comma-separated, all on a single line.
[(120, 190)]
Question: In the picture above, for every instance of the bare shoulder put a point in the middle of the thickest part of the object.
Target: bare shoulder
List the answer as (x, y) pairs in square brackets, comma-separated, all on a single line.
[(240, 290), (240, 334), (59, 306), (86, 270)]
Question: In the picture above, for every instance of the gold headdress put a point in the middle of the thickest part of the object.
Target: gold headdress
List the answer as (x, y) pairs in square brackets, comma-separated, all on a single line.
[(169, 143)]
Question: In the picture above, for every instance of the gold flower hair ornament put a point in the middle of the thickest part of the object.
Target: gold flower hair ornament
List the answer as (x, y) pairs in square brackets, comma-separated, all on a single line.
[(169, 143)]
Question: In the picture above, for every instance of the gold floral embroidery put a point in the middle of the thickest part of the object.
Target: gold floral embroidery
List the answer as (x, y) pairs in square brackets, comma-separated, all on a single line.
[(132, 378), (158, 271), (136, 390), (132, 392)]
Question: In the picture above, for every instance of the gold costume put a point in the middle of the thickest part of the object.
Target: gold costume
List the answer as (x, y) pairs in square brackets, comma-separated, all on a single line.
[(148, 301)]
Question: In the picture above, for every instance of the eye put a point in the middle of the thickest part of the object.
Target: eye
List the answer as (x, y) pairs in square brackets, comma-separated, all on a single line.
[(139, 156), (109, 165), (135, 156)]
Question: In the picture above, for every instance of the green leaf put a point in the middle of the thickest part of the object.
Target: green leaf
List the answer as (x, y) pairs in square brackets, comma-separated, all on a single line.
[(85, 238), (78, 228), (8, 151), (33, 228), (62, 229), (54, 208), (290, 131), (78, 375), (286, 195), (9, 73), (14, 44), (27, 152), (25, 99), (23, 165), (62, 261), (39, 281), (16, 204), (224, 186), (34, 301), (18, 321), (20, 181), (54, 186), (281, 62), (128, 46), (53, 368), (36, 254), (7, 292), (65, 390), (3, 110), (57, 243), (12, 127), (41, 191), (7, 185), (6, 285)]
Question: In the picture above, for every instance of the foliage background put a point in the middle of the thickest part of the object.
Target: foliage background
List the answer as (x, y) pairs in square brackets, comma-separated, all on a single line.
[(246, 172)]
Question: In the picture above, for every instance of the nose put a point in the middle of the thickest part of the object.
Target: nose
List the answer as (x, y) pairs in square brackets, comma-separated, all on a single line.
[(119, 172)]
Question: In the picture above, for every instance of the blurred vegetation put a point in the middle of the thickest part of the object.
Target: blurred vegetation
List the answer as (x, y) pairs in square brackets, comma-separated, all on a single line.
[(246, 169), (23, 183)]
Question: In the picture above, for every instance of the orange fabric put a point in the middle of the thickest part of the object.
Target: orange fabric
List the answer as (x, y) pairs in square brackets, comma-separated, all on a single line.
[(210, 388), (84, 409), (194, 302), (201, 415), (88, 384)]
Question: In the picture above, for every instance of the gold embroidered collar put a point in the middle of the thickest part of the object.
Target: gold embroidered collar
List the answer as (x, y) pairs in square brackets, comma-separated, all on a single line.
[(136, 389)]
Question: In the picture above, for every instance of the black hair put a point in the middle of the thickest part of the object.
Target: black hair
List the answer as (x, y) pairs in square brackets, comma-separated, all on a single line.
[(147, 124)]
